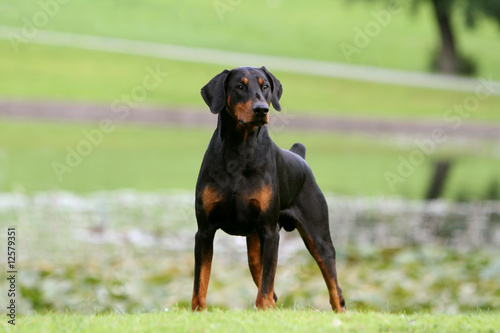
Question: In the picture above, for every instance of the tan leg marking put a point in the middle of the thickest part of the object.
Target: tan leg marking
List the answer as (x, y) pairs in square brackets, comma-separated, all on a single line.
[(199, 302), (265, 302), (331, 282)]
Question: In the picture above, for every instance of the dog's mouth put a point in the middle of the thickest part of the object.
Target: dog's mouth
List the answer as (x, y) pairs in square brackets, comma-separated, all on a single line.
[(258, 122)]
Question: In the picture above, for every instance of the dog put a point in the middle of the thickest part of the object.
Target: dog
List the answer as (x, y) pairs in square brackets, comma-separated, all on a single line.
[(248, 186)]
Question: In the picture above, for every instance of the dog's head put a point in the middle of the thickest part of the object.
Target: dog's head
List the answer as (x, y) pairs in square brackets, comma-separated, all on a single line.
[(246, 93)]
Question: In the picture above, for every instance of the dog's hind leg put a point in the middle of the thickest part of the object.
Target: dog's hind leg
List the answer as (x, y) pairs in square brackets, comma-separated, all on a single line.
[(314, 229), (322, 250)]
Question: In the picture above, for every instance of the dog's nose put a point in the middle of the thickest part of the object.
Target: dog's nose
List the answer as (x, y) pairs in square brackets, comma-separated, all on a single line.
[(260, 109)]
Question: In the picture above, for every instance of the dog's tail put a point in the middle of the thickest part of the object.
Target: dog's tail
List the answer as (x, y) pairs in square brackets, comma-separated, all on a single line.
[(299, 149)]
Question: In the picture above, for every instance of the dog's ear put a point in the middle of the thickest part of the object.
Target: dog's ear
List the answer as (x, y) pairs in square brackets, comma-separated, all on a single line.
[(214, 92), (276, 89)]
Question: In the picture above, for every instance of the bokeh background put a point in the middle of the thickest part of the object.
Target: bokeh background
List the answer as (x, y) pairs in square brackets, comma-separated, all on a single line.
[(103, 129)]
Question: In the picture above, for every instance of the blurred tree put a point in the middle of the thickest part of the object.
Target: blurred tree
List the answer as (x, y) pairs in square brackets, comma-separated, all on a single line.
[(447, 58)]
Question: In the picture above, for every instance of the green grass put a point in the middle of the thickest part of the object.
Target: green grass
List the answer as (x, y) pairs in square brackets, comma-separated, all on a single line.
[(105, 77), (152, 158), (145, 158), (293, 29), (288, 28), (252, 321)]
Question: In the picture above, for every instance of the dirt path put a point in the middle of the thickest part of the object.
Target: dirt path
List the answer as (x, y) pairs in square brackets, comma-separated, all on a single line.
[(167, 116)]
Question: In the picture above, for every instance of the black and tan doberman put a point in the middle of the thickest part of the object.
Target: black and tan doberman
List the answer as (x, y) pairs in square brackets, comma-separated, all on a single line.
[(248, 186)]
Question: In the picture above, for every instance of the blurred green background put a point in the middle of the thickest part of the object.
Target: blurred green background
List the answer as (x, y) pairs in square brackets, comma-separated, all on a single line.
[(137, 156), (154, 158)]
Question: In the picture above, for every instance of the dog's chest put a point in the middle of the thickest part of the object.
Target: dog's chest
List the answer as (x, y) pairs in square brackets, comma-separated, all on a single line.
[(237, 209)]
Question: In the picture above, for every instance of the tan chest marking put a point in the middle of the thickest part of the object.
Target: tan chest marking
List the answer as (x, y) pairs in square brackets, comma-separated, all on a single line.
[(210, 197), (262, 198)]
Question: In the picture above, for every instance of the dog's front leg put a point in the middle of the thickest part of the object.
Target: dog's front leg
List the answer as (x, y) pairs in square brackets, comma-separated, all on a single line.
[(203, 252), (269, 239)]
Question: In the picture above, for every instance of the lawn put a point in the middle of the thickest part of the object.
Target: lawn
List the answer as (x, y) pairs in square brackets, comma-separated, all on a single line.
[(251, 321), (46, 72), (287, 28), (106, 77), (152, 158)]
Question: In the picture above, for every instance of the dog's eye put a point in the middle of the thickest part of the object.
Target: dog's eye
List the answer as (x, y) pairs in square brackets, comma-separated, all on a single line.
[(265, 87), (239, 87)]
